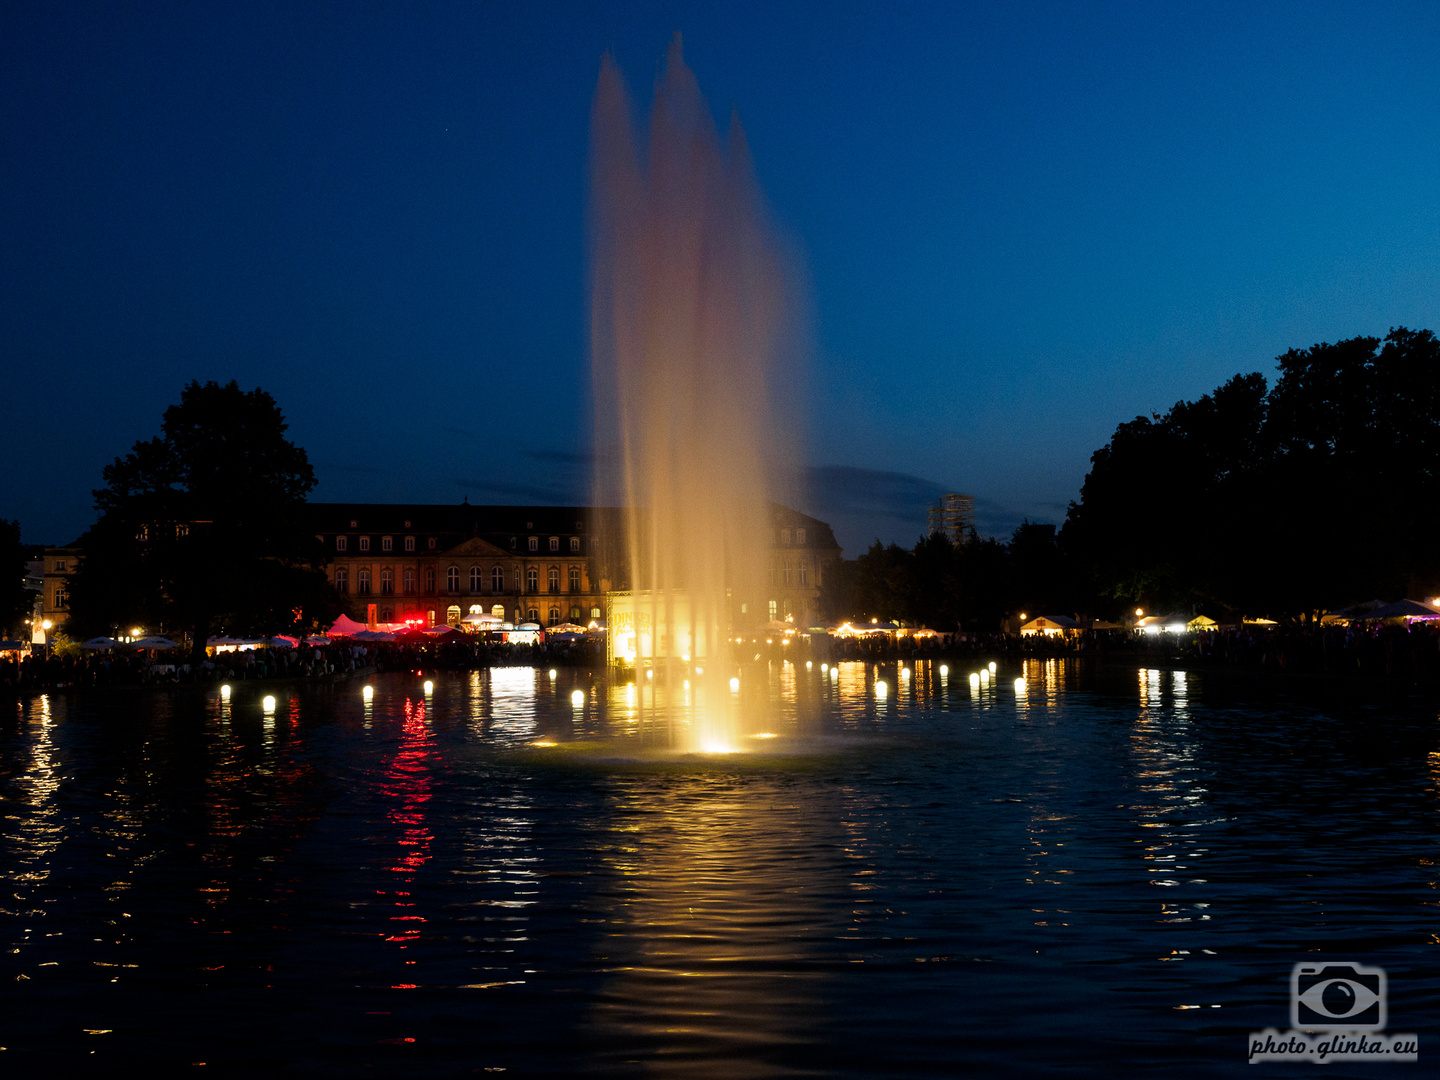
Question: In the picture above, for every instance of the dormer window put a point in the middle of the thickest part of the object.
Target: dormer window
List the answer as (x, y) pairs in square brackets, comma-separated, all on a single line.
[(340, 543), (386, 543), (784, 536), (430, 543), (800, 536), (554, 543), (364, 543), (409, 543), (574, 543), (534, 543)]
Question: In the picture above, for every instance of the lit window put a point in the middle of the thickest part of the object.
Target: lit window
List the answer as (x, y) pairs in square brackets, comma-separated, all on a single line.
[(409, 582), (364, 543), (182, 530), (554, 616), (60, 566), (452, 579), (774, 610), (574, 612), (62, 598), (409, 543), (574, 579), (387, 582), (340, 543), (342, 579), (800, 536), (554, 579), (497, 580), (362, 583), (143, 534), (532, 579), (554, 543), (594, 612), (532, 615), (475, 576), (534, 543), (386, 543), (574, 543)]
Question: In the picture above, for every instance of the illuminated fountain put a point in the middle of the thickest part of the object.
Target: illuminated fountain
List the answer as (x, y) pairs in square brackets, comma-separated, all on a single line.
[(691, 342)]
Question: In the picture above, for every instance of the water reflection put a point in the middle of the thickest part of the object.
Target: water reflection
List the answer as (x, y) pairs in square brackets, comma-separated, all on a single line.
[(1172, 794), (715, 921)]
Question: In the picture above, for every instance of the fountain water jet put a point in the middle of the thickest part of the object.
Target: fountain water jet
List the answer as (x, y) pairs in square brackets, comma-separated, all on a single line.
[(692, 347)]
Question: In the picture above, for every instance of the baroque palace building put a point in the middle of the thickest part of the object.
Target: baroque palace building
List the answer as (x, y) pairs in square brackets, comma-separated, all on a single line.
[(396, 562), (436, 563)]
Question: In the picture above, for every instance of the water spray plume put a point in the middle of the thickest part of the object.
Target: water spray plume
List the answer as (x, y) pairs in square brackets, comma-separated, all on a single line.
[(691, 342)]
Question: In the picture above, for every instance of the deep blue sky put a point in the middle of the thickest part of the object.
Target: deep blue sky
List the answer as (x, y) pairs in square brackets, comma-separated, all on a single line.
[(1022, 223)]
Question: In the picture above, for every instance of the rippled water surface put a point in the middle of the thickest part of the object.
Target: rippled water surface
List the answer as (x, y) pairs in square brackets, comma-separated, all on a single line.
[(1108, 873)]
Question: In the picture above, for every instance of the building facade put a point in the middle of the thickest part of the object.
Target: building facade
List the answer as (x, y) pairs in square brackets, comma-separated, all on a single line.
[(435, 564)]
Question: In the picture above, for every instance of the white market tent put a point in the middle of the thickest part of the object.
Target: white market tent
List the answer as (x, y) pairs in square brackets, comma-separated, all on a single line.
[(1047, 625)]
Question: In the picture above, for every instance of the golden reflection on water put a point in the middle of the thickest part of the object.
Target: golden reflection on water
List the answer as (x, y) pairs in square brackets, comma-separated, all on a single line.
[(43, 827), (1172, 803), (722, 887)]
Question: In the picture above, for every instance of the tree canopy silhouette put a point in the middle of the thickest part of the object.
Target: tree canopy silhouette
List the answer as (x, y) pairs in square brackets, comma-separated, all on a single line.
[(202, 526), (1316, 493)]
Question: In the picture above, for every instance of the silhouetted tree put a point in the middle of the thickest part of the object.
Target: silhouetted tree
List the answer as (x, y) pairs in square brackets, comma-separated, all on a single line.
[(1319, 493), (202, 526), (16, 601)]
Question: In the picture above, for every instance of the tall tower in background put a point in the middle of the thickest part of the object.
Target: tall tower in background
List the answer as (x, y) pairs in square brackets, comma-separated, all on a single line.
[(953, 515)]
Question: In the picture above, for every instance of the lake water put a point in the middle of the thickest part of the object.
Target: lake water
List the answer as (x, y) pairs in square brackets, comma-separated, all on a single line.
[(1110, 873)]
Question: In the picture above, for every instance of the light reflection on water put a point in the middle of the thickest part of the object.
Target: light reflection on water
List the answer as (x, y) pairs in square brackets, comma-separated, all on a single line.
[(882, 886)]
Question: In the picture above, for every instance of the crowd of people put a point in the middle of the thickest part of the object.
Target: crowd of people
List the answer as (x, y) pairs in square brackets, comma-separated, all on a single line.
[(1379, 649), (45, 670), (1384, 650)]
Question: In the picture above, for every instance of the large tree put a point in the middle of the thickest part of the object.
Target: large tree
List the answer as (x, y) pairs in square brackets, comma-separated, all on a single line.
[(1323, 491), (16, 601), (203, 526)]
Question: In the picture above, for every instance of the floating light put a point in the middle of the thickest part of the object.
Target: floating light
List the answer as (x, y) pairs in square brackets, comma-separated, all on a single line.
[(552, 674), (542, 742), (577, 698), (429, 688), (1020, 685), (808, 665), (834, 673), (984, 675), (687, 684), (225, 692), (881, 690), (650, 674), (992, 667), (368, 693), (944, 670), (268, 704), (699, 671), (735, 685), (824, 667), (974, 678), (904, 673)]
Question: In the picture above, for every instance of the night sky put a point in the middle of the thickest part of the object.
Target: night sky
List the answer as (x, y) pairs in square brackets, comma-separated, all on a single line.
[(1022, 224)]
